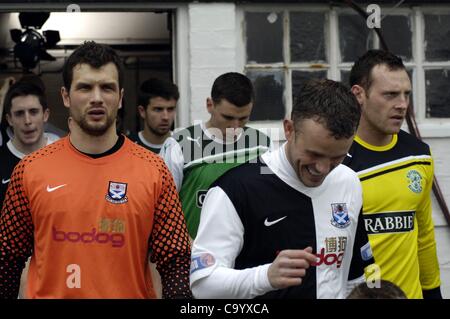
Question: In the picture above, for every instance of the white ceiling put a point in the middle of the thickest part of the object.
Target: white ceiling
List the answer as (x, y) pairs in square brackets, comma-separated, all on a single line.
[(107, 27)]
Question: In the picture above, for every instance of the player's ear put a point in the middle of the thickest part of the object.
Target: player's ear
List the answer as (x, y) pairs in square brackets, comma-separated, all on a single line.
[(359, 92), (141, 111), (65, 97), (209, 105), (289, 129), (8, 118), (46, 114), (121, 98)]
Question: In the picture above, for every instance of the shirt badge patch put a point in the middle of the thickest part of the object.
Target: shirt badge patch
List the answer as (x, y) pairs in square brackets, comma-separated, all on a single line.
[(202, 261), (340, 215), (117, 193), (415, 181), (366, 252)]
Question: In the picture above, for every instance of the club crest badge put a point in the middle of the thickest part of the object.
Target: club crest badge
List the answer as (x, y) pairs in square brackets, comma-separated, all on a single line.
[(340, 215), (117, 193), (415, 181)]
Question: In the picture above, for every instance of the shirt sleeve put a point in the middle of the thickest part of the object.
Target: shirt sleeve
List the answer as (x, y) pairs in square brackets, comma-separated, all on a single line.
[(170, 241), (219, 241), (172, 154), (16, 234), (428, 261)]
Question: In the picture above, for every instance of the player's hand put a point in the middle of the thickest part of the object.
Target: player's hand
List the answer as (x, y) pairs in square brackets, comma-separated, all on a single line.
[(289, 267)]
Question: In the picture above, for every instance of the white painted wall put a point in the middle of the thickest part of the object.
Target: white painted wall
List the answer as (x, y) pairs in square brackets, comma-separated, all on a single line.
[(212, 50), (441, 154), (442, 234)]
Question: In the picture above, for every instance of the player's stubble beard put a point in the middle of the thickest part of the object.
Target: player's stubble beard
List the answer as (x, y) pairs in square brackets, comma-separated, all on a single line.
[(159, 132), (96, 129)]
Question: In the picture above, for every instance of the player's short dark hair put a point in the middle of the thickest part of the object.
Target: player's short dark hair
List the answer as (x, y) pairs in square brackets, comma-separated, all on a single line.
[(154, 87), (330, 103), (95, 55), (34, 79), (24, 88), (362, 69), (386, 290), (234, 87)]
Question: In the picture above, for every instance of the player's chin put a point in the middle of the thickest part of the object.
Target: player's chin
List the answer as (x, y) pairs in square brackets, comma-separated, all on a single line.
[(163, 130), (311, 180), (29, 140), (95, 129), (313, 183), (98, 126), (392, 129)]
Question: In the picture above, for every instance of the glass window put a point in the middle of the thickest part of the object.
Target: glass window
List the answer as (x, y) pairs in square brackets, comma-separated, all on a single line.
[(307, 36), (264, 37), (299, 78), (437, 37), (354, 38), (269, 101), (437, 92), (396, 31), (345, 77), (276, 72)]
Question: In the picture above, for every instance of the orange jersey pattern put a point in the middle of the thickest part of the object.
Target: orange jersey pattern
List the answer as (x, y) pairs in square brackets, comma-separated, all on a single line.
[(90, 225)]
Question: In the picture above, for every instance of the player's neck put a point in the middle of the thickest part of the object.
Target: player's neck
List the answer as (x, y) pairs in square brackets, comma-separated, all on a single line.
[(91, 144), (27, 149), (154, 138), (373, 136)]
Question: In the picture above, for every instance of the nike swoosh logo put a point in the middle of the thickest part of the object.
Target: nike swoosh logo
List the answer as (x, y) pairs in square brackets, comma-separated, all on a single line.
[(267, 223), (5, 181), (51, 189)]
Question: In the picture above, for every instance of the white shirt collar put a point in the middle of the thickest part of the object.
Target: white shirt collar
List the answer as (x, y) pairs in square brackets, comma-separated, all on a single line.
[(146, 142), (21, 155)]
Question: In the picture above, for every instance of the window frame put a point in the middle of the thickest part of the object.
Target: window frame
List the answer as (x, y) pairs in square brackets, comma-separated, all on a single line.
[(429, 127)]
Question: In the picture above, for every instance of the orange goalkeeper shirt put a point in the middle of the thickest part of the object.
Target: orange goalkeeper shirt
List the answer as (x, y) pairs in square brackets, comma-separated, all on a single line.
[(91, 225)]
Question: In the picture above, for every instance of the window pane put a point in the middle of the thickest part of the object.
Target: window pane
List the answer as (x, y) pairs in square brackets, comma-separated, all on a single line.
[(307, 36), (353, 37), (437, 37), (437, 90), (264, 37), (269, 88), (345, 77), (397, 33), (299, 78)]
